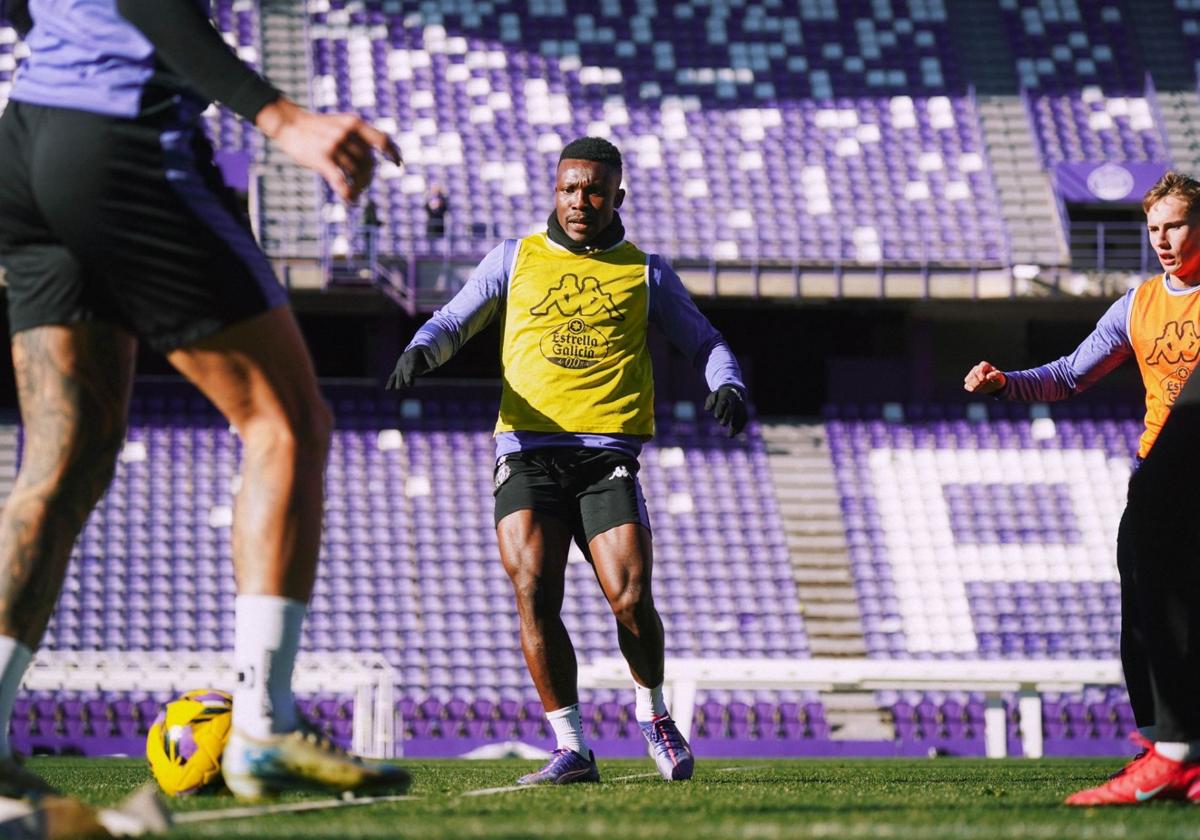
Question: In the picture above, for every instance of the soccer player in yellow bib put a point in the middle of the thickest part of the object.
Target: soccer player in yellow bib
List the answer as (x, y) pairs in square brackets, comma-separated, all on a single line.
[(577, 405)]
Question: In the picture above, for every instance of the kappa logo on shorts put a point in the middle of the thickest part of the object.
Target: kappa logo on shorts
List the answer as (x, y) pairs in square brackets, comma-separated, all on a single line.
[(503, 471), (620, 472)]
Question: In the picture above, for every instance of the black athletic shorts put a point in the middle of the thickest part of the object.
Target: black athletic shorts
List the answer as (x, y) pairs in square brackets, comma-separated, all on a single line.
[(590, 490), (125, 221)]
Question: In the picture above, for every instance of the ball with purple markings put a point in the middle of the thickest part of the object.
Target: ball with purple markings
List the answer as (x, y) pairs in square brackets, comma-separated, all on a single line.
[(186, 740)]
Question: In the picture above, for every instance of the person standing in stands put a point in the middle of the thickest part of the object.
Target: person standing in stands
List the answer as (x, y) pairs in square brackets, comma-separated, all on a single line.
[(1158, 324), (436, 207), (577, 405), (114, 228)]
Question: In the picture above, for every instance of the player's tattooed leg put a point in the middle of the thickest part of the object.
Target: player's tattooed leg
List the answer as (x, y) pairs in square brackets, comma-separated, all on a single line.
[(73, 383)]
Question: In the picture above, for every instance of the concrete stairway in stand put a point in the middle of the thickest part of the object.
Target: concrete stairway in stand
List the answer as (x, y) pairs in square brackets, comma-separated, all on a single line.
[(289, 198), (802, 474)]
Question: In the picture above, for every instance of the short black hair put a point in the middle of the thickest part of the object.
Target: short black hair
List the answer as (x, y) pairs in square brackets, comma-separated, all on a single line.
[(593, 148)]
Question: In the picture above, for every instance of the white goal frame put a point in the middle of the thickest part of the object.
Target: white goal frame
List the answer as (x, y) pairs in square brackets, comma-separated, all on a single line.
[(1027, 678)]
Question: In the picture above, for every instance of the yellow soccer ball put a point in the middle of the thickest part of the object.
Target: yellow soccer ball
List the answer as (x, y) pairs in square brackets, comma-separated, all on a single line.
[(186, 741)]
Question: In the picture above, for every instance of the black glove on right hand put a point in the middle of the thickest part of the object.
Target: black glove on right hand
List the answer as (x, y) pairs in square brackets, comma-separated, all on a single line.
[(728, 406), (411, 364)]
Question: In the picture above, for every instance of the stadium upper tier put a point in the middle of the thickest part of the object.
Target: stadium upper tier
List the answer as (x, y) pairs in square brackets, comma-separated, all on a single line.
[(814, 133), (1085, 81), (748, 135)]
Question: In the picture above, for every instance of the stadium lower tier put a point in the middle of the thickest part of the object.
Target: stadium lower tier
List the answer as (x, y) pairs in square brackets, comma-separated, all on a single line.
[(1096, 722)]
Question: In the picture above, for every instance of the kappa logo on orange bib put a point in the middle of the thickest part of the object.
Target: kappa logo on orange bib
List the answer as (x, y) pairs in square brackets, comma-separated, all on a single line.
[(1178, 343)]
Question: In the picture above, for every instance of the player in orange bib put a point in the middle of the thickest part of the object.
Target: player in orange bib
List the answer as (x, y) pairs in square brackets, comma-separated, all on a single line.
[(1158, 324)]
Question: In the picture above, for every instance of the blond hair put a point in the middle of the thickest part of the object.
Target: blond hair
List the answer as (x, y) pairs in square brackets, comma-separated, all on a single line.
[(1176, 184)]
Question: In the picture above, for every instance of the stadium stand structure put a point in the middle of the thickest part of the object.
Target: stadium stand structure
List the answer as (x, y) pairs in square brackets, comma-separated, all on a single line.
[(1085, 81), (936, 128), (411, 575), (1169, 28), (939, 127), (411, 569), (988, 532), (238, 21)]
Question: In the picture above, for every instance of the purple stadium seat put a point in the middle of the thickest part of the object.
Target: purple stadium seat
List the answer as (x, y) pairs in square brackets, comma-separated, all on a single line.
[(22, 716), (904, 718)]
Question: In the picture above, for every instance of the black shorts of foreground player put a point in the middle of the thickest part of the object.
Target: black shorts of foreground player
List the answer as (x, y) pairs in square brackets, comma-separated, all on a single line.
[(115, 228), (577, 405)]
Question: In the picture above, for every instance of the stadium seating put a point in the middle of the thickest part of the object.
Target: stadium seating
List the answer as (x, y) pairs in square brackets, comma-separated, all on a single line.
[(411, 568), (1015, 532), (1085, 81), (238, 22), (411, 572), (862, 106), (865, 105), (990, 539)]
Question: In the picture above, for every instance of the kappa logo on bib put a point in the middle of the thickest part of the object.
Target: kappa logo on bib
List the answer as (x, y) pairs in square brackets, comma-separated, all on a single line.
[(575, 295)]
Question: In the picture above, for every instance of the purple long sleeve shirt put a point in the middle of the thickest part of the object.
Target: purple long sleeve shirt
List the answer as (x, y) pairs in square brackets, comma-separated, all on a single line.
[(671, 310), (1108, 345)]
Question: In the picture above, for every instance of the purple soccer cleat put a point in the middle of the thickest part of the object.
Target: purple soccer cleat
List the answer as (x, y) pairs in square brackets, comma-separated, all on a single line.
[(564, 768), (669, 748)]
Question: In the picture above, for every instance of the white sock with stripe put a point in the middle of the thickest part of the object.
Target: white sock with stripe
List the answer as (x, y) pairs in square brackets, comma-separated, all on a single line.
[(649, 703), (568, 729), (266, 638), (14, 660)]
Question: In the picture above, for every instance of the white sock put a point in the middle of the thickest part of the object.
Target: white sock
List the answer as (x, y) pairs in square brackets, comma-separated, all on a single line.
[(14, 659), (650, 703), (1174, 750), (266, 638), (568, 729)]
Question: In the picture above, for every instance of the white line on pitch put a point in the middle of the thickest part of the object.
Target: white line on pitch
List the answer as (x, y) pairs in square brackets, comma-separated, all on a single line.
[(495, 790), (282, 808), (743, 769), (886, 831), (656, 775), (633, 776)]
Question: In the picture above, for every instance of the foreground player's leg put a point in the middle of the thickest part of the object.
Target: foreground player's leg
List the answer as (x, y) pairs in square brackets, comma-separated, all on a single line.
[(258, 373), (533, 549), (1133, 646), (623, 559), (73, 383), (59, 817)]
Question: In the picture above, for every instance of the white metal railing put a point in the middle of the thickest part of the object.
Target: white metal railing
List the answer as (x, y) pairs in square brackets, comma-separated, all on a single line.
[(1027, 678), (368, 676)]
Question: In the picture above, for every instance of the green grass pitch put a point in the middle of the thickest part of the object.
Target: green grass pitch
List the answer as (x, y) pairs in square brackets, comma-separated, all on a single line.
[(757, 800)]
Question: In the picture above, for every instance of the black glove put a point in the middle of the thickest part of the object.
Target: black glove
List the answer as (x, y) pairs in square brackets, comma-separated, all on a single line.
[(411, 364), (728, 406)]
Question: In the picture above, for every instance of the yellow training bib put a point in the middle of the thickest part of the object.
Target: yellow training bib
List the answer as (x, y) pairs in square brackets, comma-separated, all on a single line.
[(574, 342)]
